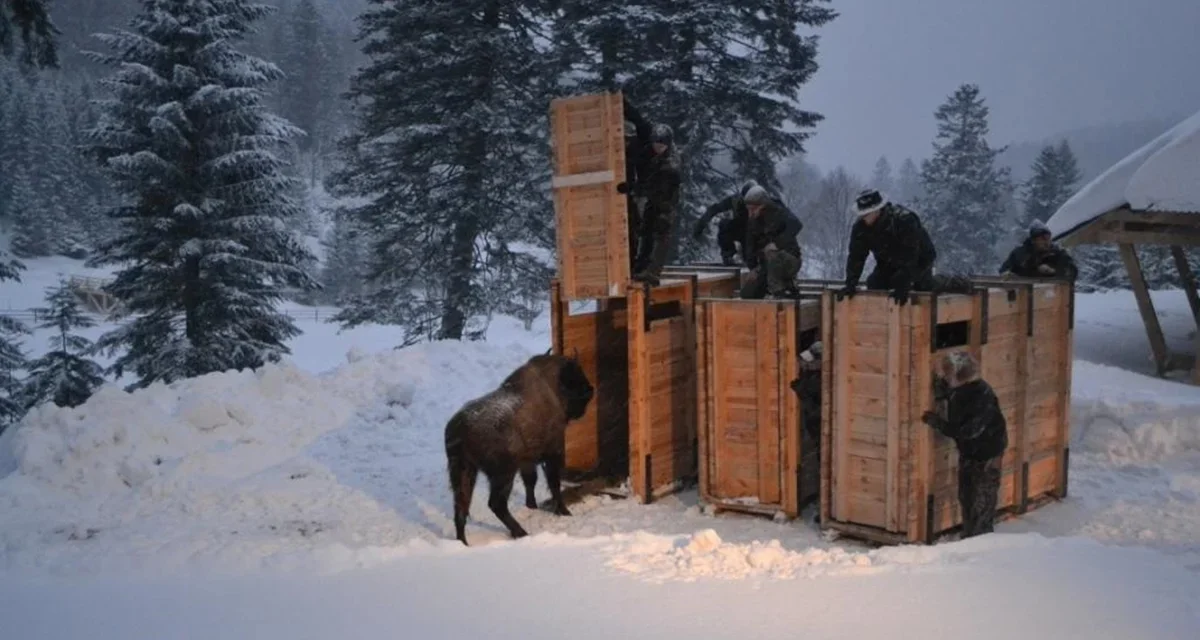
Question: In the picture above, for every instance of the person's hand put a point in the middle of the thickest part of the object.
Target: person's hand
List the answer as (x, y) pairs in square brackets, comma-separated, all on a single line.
[(900, 295), (1046, 269), (930, 418), (771, 248)]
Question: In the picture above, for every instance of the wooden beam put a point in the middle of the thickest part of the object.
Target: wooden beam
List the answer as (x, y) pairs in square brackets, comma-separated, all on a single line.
[(1158, 344), (1189, 281)]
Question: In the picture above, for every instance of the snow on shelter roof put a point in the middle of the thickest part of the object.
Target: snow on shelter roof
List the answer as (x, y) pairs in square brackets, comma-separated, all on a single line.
[(1164, 175)]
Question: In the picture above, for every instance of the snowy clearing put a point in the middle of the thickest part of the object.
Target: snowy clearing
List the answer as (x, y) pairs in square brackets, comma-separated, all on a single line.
[(239, 487)]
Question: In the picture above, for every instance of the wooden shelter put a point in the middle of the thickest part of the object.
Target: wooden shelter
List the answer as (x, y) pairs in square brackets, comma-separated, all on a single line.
[(888, 477), (1150, 198)]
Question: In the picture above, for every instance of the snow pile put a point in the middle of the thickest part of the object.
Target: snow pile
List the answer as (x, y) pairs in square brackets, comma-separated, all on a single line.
[(1143, 432), (277, 468), (1160, 176), (704, 555)]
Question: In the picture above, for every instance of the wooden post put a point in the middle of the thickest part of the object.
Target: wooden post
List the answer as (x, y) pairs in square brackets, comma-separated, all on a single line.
[(1189, 281), (1158, 344)]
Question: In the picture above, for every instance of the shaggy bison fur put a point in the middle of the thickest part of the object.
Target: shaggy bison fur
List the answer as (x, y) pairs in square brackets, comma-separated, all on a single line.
[(514, 428)]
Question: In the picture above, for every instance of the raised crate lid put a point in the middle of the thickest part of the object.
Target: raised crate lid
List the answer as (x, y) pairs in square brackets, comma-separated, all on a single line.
[(591, 217)]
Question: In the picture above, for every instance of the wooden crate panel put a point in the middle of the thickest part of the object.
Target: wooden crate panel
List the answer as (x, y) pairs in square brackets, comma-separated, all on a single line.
[(885, 468), (751, 430), (591, 217)]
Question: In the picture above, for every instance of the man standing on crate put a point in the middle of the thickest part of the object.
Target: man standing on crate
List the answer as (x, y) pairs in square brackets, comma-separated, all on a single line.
[(974, 421), (1039, 257), (771, 249), (731, 232), (657, 182), (904, 252)]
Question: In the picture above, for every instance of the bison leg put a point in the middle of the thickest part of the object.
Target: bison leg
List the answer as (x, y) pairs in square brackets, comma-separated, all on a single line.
[(462, 479), (529, 479), (554, 464), (501, 488)]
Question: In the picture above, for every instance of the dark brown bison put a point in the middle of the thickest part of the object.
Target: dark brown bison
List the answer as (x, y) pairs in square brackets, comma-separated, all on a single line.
[(514, 428)]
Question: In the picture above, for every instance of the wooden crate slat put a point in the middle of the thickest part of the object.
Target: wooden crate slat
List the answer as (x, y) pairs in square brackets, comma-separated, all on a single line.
[(591, 218)]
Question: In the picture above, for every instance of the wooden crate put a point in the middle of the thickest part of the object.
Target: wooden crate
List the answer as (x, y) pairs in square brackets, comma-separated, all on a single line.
[(889, 477), (591, 217), (639, 351), (750, 448)]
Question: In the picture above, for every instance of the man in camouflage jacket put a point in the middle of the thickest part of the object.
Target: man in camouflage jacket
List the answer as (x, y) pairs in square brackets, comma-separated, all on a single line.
[(976, 424), (1039, 257), (657, 179), (771, 249), (904, 252)]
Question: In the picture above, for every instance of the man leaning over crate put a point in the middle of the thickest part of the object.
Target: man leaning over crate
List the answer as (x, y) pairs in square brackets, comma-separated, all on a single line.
[(974, 421), (1039, 257), (658, 180), (731, 232), (904, 252), (771, 249)]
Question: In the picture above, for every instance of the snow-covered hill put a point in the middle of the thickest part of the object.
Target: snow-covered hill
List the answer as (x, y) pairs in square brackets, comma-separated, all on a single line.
[(198, 495)]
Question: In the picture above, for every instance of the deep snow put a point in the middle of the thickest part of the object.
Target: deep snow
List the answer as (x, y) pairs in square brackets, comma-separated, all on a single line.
[(155, 510)]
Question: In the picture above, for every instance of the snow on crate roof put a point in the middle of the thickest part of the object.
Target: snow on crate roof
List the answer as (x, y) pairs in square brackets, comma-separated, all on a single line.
[(1164, 175)]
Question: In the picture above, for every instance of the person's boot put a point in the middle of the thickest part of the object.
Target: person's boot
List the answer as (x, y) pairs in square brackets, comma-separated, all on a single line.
[(658, 259)]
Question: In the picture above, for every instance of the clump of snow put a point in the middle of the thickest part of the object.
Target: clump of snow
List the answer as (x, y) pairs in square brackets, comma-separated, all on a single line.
[(1134, 432), (704, 555), (1160, 176)]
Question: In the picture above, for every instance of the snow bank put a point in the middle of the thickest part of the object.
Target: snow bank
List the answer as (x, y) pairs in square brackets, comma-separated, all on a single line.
[(1160, 176), (1144, 432), (272, 468), (703, 554)]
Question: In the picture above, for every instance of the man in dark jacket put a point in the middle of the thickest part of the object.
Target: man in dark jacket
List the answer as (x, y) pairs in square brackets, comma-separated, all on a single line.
[(1039, 257), (976, 424), (904, 252), (658, 180), (770, 248), (731, 232)]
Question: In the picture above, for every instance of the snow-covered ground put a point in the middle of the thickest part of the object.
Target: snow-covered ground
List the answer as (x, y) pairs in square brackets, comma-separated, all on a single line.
[(310, 500)]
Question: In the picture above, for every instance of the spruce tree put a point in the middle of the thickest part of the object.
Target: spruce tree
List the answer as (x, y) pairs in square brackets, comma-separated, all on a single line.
[(205, 241), (1055, 178), (28, 23), (724, 77), (908, 183), (449, 158), (306, 93), (344, 270), (64, 375), (966, 204), (882, 178), (12, 359)]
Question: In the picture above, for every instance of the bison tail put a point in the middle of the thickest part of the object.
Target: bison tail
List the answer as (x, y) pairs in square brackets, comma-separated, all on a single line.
[(462, 473)]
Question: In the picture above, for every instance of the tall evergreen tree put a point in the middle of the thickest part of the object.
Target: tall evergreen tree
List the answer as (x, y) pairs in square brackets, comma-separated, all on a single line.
[(306, 94), (882, 178), (28, 21), (64, 375), (344, 271), (908, 183), (724, 77), (967, 197), (205, 242), (449, 155), (12, 359), (1055, 178)]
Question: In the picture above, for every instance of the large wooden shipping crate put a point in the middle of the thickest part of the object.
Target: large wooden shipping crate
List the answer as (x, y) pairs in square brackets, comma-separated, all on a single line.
[(591, 217), (752, 457), (639, 351), (889, 477)]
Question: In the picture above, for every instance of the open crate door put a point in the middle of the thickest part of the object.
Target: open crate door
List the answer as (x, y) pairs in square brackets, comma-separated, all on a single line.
[(597, 443), (869, 340), (662, 387), (591, 217), (750, 416)]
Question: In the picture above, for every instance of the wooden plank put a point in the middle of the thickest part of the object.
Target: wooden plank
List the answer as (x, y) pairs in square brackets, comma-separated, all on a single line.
[(827, 423), (583, 179), (639, 391), (1158, 343), (768, 436), (791, 442), (704, 393), (1066, 339), (893, 419), (1189, 281), (846, 313)]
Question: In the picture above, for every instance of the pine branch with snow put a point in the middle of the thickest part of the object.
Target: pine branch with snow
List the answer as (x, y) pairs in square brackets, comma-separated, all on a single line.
[(206, 244), (64, 375)]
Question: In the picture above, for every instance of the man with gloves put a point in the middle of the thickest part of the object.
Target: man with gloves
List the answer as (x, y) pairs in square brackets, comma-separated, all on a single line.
[(657, 179), (904, 252), (731, 232), (771, 249), (1039, 257)]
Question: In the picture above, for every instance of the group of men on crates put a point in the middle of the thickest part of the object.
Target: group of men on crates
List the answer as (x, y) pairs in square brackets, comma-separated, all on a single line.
[(764, 231)]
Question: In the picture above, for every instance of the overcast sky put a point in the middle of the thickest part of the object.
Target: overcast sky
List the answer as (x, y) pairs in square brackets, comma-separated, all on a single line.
[(1043, 66)]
